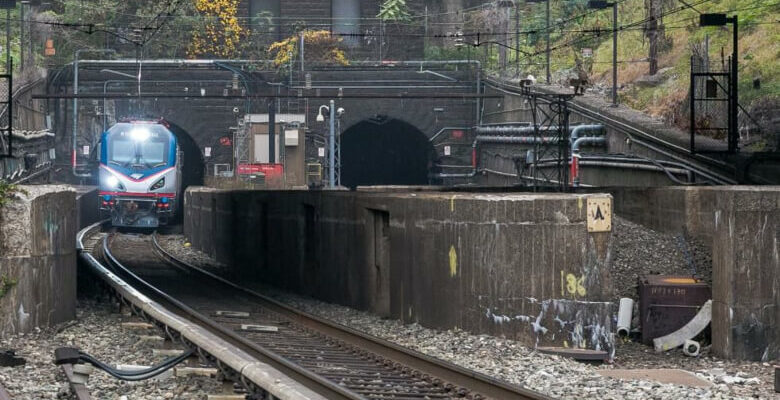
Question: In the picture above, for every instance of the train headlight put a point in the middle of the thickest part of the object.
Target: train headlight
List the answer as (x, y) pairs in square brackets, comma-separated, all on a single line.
[(140, 134), (159, 184), (113, 182)]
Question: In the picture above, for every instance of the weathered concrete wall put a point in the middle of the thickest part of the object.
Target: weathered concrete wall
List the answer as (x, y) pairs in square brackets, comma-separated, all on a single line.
[(38, 258), (741, 226), (521, 265), (746, 274)]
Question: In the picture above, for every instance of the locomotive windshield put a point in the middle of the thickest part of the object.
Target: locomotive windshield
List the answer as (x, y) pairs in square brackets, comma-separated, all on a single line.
[(138, 145)]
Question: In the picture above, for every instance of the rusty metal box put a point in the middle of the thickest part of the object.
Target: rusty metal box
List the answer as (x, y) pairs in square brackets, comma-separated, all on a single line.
[(668, 302)]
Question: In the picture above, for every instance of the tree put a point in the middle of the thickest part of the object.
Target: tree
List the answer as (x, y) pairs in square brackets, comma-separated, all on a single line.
[(320, 46), (394, 10), (221, 34)]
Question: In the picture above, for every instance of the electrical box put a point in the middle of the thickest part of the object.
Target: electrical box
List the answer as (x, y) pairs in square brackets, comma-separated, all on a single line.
[(668, 302)]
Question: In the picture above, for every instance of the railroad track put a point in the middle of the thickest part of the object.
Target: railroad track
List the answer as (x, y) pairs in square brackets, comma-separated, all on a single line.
[(712, 169), (332, 360)]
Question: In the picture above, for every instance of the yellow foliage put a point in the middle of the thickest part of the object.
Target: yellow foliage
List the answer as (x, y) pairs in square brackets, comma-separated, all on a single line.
[(320, 46), (222, 32)]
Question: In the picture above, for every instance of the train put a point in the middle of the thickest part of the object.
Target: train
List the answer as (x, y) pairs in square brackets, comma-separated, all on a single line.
[(141, 173)]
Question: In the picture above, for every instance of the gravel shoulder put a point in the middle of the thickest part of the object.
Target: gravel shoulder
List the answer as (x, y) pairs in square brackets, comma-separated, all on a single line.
[(97, 331), (509, 360)]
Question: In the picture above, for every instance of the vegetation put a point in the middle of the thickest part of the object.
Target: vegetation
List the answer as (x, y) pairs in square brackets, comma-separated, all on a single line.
[(394, 10), (671, 41), (321, 46), (6, 284), (221, 34), (8, 191)]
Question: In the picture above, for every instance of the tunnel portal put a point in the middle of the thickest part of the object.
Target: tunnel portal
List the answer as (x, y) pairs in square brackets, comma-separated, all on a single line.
[(384, 151)]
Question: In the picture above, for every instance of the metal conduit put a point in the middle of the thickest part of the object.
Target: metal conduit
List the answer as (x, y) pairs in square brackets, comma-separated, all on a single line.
[(575, 131), (597, 140), (515, 139)]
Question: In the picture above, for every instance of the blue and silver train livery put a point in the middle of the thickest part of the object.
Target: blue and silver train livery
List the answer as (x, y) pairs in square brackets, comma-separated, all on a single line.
[(140, 177)]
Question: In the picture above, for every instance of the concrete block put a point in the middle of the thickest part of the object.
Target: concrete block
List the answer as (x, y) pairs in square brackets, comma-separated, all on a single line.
[(38, 258), (136, 325), (192, 371), (746, 273)]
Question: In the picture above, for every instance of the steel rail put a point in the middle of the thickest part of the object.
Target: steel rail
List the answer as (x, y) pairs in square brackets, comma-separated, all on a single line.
[(234, 362), (313, 381), (469, 379), (684, 155)]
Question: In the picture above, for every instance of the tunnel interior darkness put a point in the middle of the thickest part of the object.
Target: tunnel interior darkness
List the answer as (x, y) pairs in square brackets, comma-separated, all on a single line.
[(384, 152)]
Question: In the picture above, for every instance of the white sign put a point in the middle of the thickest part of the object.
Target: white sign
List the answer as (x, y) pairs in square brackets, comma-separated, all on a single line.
[(587, 52), (447, 150), (321, 151), (85, 150), (207, 151)]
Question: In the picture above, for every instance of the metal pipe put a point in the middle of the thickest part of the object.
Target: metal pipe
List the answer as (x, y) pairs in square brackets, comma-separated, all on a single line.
[(515, 139), (74, 154), (575, 146), (446, 128), (105, 89), (577, 130), (440, 75)]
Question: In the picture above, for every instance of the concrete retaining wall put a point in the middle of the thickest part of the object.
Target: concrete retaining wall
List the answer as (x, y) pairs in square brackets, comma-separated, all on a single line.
[(38, 259), (746, 274), (522, 266), (741, 225)]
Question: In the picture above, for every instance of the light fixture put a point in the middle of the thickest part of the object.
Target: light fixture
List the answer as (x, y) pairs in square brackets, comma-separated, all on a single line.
[(320, 116)]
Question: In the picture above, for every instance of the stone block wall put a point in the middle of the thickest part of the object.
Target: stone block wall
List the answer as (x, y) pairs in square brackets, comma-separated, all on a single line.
[(38, 258)]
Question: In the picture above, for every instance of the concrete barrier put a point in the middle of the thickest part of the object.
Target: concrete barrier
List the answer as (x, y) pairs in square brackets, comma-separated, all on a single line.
[(741, 226), (519, 265), (37, 259)]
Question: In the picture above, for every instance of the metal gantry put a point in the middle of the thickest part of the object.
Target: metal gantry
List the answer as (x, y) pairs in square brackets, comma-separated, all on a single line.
[(551, 125)]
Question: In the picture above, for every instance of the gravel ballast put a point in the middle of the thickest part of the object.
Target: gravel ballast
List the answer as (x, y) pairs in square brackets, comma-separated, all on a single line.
[(555, 376), (98, 332)]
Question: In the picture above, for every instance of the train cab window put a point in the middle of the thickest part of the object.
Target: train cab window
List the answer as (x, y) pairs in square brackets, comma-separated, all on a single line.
[(138, 146)]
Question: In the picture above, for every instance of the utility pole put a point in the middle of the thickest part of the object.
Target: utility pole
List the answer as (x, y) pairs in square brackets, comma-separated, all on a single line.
[(21, 36), (332, 146), (599, 5), (8, 40), (517, 39), (547, 30), (614, 54)]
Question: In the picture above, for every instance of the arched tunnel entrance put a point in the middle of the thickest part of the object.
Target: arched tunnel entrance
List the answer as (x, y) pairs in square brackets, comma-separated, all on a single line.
[(385, 151), (192, 161)]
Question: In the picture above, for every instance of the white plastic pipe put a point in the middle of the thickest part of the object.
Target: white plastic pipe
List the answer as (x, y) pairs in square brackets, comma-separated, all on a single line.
[(624, 316)]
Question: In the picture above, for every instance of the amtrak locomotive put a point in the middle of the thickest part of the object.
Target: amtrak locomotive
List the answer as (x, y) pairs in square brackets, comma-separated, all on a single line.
[(140, 174)]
